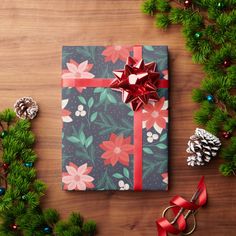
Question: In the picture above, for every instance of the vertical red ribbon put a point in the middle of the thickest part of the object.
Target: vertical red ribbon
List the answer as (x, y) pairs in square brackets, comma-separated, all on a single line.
[(138, 134)]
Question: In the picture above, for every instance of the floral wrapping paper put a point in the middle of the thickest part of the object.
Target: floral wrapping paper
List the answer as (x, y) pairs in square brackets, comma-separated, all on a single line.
[(97, 133)]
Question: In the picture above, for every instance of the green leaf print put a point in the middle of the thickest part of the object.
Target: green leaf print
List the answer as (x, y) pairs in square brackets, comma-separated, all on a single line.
[(131, 113), (82, 137), (163, 137), (147, 150), (117, 175), (73, 139), (149, 48), (82, 100), (103, 96), (126, 172), (111, 98), (84, 149), (161, 146), (90, 102), (98, 90), (88, 141), (108, 125), (93, 116), (105, 182)]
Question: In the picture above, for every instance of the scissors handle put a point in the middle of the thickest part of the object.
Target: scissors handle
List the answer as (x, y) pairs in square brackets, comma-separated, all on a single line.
[(189, 213)]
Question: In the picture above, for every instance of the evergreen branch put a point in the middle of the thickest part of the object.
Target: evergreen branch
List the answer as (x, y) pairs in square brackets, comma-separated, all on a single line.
[(210, 33), (20, 210)]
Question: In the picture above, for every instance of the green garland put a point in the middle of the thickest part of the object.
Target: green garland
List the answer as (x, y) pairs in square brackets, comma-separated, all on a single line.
[(20, 191), (209, 27)]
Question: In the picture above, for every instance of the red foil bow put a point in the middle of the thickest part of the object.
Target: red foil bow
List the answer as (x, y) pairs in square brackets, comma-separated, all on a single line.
[(138, 82)]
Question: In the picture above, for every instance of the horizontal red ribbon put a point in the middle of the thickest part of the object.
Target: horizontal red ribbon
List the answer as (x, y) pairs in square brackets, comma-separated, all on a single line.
[(99, 82)]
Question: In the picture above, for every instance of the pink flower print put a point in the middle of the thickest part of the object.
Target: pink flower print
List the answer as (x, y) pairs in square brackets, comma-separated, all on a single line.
[(156, 115), (165, 177), (113, 53), (77, 70), (77, 178), (65, 113), (165, 73)]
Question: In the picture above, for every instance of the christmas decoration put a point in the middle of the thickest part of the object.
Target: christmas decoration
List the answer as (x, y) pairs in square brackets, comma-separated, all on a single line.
[(202, 146), (3, 134), (210, 98), (20, 211), (5, 166), (227, 63), (179, 206), (226, 134), (28, 164), (47, 230), (26, 108), (97, 122), (14, 227), (198, 35), (2, 191), (187, 3), (138, 83), (209, 29)]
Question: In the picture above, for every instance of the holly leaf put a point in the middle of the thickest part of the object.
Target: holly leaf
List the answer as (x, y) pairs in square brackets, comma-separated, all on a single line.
[(147, 150), (93, 116), (118, 175), (82, 100), (90, 102), (126, 172), (88, 141), (73, 139), (161, 146)]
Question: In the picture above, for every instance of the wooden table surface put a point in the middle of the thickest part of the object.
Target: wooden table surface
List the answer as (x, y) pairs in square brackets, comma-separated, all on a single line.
[(32, 33)]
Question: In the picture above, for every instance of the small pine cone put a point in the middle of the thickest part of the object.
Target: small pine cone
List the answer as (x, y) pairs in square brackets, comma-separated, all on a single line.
[(202, 146), (26, 108)]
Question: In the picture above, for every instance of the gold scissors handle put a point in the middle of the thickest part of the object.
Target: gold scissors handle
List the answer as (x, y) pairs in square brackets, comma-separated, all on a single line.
[(189, 213)]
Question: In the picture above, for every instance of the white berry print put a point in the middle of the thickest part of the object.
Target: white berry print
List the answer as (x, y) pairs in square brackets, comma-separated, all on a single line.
[(123, 185), (80, 111), (151, 137)]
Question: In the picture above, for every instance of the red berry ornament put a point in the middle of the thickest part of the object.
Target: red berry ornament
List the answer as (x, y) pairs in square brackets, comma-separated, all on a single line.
[(187, 3), (14, 226), (226, 63), (5, 166), (226, 134)]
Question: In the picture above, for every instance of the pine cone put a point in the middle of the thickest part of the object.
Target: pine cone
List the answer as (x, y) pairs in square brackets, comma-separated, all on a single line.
[(202, 146), (26, 108)]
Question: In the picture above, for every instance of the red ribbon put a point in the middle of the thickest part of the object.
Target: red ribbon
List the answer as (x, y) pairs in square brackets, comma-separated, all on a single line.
[(106, 82), (164, 226)]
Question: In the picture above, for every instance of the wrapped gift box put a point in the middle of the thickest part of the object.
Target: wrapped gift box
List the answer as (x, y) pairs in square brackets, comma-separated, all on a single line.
[(105, 144)]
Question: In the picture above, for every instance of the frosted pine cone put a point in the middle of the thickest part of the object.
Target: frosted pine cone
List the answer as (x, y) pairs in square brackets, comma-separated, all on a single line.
[(26, 108), (202, 146)]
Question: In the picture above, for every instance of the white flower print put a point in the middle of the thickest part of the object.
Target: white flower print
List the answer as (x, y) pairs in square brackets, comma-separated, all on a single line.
[(80, 111), (151, 137), (65, 113), (123, 186)]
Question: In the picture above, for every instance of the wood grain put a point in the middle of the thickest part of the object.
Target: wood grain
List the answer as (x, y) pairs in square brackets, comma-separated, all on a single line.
[(32, 33)]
